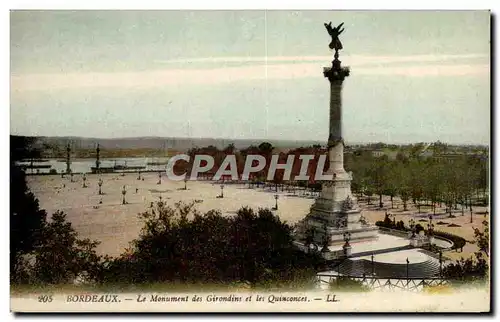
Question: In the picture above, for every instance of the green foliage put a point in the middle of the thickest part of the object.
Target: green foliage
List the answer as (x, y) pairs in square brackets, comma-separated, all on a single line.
[(179, 244), (26, 217), (346, 284), (482, 238), (472, 269), (391, 224), (60, 256), (451, 181), (467, 270), (419, 228)]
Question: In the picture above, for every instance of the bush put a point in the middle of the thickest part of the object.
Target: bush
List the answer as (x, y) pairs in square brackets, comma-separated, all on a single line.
[(26, 217), (60, 257), (418, 228), (472, 270), (391, 224), (346, 284), (467, 270)]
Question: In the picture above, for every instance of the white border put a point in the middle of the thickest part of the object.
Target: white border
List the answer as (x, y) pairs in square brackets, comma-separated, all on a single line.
[(189, 4), (258, 4)]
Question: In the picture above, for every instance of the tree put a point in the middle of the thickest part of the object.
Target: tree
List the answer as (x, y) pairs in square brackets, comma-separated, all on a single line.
[(482, 238), (378, 174), (401, 181), (417, 181), (61, 256), (393, 181), (266, 148), (179, 244), (230, 149), (471, 269)]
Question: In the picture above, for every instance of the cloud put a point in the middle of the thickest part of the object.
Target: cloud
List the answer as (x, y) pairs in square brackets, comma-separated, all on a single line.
[(353, 60), (274, 68), (429, 70)]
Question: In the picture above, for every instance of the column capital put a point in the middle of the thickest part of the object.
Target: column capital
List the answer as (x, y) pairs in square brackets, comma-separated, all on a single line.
[(336, 73)]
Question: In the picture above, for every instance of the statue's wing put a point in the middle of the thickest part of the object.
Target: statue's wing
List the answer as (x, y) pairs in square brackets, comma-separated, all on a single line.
[(329, 29)]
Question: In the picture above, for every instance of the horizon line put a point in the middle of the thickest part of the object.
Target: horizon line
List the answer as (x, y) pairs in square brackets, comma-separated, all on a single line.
[(321, 142)]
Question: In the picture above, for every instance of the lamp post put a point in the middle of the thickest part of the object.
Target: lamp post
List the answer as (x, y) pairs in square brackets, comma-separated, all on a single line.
[(430, 227), (99, 183), (430, 231), (222, 190), (84, 181), (326, 240), (407, 270), (139, 177), (159, 177), (185, 183), (440, 263), (412, 227), (347, 246), (124, 192), (373, 265), (347, 238), (471, 215), (276, 197)]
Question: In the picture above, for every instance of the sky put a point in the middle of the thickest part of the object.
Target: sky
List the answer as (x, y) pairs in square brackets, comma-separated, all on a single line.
[(415, 76)]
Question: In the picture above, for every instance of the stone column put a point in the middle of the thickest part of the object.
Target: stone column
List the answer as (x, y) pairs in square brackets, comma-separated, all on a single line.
[(336, 75), (335, 133)]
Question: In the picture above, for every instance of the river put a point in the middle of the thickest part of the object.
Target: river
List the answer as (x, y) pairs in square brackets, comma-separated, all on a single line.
[(84, 165)]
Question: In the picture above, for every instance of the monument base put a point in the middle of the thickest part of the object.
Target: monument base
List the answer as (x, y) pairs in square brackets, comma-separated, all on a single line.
[(316, 230), (326, 228)]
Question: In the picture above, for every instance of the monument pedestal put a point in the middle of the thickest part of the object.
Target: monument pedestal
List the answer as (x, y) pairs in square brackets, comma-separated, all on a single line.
[(335, 217), (347, 250)]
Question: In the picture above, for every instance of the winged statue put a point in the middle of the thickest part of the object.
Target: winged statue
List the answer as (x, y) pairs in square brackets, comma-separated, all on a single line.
[(334, 32)]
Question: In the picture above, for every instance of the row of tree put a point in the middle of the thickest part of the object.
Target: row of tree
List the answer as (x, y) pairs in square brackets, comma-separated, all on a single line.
[(452, 182)]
